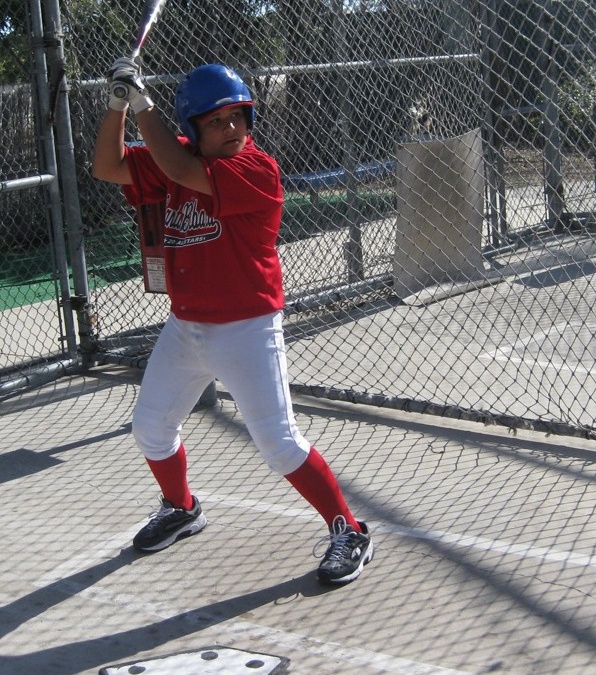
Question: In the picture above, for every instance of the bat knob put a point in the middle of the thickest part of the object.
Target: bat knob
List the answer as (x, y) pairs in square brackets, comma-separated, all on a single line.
[(120, 90)]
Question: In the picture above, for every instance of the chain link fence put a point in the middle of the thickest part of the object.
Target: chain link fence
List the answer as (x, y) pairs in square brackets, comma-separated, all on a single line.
[(34, 278), (438, 238)]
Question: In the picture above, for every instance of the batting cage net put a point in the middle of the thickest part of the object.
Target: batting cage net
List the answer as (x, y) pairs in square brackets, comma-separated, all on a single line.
[(438, 246), (438, 163)]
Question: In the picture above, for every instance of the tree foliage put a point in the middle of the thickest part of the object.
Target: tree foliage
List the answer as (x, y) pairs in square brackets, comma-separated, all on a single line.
[(14, 56)]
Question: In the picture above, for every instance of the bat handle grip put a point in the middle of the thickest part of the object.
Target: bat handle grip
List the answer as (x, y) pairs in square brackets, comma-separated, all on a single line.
[(120, 90)]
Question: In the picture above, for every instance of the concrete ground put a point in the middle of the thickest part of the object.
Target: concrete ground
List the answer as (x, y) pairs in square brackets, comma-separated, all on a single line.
[(484, 561)]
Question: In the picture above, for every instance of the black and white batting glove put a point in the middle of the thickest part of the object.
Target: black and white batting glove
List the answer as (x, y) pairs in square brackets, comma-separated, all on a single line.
[(127, 87)]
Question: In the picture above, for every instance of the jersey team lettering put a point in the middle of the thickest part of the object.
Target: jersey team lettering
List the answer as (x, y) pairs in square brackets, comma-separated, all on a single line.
[(187, 219)]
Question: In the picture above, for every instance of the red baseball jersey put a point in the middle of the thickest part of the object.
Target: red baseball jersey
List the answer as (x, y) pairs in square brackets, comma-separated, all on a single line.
[(220, 256)]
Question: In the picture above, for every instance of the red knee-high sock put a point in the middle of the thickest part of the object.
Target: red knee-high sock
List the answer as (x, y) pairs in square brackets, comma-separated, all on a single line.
[(170, 473), (315, 481)]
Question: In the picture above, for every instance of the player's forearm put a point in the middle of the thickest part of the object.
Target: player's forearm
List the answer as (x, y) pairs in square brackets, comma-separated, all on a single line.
[(177, 163), (109, 163)]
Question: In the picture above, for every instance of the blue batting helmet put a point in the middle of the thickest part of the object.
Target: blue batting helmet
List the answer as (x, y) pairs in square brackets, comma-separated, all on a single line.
[(208, 88)]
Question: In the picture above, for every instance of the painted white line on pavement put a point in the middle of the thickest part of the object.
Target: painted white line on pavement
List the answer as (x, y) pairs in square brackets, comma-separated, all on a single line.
[(483, 544), (461, 540), (62, 575), (106, 550), (235, 627), (506, 353), (80, 562)]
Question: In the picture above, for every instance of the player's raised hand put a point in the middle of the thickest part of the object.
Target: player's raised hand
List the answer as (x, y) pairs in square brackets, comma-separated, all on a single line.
[(126, 86), (125, 62), (127, 71)]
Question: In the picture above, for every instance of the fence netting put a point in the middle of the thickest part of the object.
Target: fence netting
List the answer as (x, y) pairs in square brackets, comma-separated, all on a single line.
[(438, 239), (32, 331)]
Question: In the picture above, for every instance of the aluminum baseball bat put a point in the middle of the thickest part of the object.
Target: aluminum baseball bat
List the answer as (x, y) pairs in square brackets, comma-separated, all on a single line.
[(151, 13)]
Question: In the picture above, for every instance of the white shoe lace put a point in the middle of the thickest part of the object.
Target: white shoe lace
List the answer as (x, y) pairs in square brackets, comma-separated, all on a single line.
[(334, 541), (162, 511)]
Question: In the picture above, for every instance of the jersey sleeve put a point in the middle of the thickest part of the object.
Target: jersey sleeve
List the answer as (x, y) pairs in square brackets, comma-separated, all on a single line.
[(246, 183), (149, 184)]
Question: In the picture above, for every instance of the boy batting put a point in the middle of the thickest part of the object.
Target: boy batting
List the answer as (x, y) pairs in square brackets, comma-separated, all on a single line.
[(224, 203)]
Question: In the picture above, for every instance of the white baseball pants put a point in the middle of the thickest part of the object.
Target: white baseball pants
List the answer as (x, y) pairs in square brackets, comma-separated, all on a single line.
[(249, 358)]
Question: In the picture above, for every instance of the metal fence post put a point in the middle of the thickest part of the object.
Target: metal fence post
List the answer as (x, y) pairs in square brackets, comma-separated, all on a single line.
[(498, 229), (79, 303), (555, 201), (42, 103), (353, 249)]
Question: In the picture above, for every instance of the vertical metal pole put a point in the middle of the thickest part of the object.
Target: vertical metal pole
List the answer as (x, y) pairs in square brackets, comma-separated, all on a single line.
[(68, 179), (46, 137), (554, 191), (594, 126), (496, 199), (354, 244)]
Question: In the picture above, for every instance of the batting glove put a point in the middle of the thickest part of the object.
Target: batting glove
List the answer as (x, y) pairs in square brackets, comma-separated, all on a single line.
[(126, 86)]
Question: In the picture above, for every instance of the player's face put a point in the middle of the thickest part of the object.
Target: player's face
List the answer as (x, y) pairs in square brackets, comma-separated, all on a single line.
[(223, 132)]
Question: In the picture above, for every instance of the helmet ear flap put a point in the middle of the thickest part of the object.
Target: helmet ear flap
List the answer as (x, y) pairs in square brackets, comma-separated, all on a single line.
[(249, 114), (196, 134)]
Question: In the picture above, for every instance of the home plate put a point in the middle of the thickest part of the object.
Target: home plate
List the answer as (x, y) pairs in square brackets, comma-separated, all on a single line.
[(206, 661)]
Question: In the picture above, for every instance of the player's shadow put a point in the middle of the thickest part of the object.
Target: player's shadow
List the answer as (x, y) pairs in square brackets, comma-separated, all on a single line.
[(88, 654), (22, 462)]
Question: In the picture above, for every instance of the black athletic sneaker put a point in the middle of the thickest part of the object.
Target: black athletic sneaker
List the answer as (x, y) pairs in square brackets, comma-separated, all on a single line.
[(168, 525), (347, 553)]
